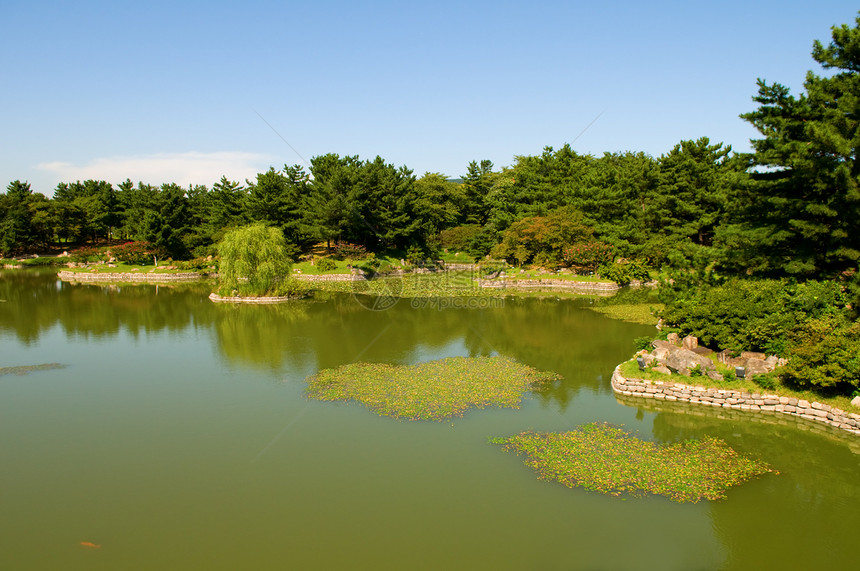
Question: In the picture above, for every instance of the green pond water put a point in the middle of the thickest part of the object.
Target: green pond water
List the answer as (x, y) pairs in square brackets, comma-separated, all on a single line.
[(177, 437)]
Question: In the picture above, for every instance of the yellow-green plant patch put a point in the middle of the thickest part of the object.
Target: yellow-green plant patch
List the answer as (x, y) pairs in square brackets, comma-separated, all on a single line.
[(435, 390), (607, 459)]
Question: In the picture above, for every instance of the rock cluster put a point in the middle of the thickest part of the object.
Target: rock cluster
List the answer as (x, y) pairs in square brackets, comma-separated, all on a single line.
[(683, 356), (737, 400)]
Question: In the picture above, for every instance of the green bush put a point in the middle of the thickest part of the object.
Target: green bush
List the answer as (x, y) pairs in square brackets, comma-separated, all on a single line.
[(345, 250), (86, 254), (254, 261), (642, 343), (414, 255), (749, 315), (624, 273), (459, 238), (587, 255), (326, 265), (825, 356), (135, 253), (767, 381)]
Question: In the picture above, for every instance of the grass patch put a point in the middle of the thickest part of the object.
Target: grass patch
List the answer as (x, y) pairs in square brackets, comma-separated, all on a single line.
[(435, 390), (23, 370), (312, 269), (606, 459), (34, 262), (643, 313)]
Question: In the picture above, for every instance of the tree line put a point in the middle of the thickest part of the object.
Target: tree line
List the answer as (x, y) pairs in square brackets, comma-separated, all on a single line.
[(673, 210), (791, 208)]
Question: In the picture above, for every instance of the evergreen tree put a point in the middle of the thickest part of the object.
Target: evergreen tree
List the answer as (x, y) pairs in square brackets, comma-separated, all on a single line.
[(16, 232), (801, 216)]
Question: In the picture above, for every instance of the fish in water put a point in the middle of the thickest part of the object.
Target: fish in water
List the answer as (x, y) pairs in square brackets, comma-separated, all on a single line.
[(90, 544)]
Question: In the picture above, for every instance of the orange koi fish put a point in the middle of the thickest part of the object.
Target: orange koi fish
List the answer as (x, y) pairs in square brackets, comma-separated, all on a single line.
[(90, 544)]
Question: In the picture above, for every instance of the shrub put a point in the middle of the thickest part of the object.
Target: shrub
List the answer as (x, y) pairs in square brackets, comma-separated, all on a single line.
[(642, 343), (767, 381), (459, 238), (344, 250), (587, 255), (415, 255), (372, 262), (825, 356), (136, 253), (750, 315), (624, 273), (326, 265), (86, 254)]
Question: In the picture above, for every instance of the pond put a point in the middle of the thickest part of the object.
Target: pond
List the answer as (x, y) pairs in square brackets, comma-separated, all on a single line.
[(177, 436)]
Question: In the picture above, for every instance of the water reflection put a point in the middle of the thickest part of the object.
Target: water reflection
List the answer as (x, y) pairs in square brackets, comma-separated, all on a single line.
[(178, 427), (329, 329), (817, 478)]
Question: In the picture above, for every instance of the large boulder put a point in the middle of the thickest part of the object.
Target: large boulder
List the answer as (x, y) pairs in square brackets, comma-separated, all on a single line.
[(756, 366), (686, 359)]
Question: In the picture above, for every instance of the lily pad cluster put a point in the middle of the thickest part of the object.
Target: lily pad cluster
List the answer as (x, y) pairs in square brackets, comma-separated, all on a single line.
[(606, 459), (435, 390)]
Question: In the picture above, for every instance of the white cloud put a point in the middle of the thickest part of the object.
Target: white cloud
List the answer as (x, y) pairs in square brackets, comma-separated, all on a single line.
[(181, 168)]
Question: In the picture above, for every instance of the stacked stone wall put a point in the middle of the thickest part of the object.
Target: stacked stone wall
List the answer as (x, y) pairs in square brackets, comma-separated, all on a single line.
[(600, 287), (736, 400), (129, 277), (329, 277), (252, 300)]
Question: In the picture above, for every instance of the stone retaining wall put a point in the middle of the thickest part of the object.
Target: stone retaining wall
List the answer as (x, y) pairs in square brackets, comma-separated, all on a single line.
[(602, 287), (258, 300), (329, 277), (735, 400), (129, 277)]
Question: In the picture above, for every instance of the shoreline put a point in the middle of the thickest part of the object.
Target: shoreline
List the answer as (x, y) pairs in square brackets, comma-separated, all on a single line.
[(214, 297), (130, 277), (735, 401)]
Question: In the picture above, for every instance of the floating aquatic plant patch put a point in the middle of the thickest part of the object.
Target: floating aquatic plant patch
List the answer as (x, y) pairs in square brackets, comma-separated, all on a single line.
[(435, 390), (29, 369), (607, 459)]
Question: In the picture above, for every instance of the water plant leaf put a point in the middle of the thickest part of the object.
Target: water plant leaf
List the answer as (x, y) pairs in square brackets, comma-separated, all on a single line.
[(607, 459), (434, 390)]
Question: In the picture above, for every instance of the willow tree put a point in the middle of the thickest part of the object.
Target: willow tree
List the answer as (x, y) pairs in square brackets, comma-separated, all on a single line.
[(254, 262)]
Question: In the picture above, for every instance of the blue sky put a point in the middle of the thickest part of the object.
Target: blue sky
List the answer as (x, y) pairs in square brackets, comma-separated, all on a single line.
[(186, 91)]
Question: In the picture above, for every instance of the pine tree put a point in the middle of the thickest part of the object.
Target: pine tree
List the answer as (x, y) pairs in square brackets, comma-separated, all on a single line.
[(801, 214)]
